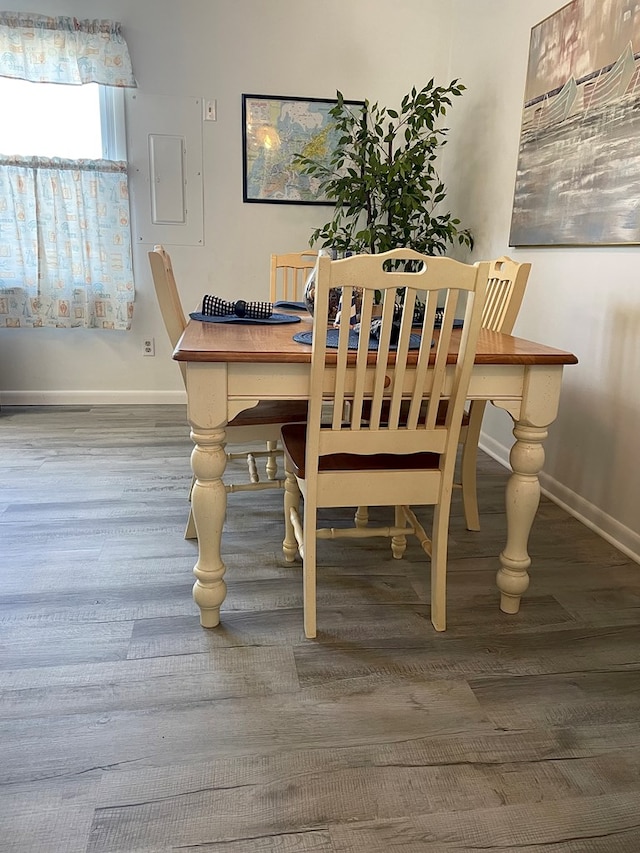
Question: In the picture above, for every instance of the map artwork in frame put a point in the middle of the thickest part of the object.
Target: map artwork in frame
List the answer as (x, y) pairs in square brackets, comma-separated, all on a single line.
[(274, 130)]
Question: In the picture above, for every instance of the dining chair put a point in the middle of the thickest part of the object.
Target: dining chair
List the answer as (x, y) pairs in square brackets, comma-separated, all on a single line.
[(289, 273), (377, 455), (505, 291), (260, 423)]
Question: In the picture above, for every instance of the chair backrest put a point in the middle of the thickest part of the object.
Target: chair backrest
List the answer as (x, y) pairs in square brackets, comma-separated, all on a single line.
[(505, 292), (168, 297), (289, 273), (386, 387)]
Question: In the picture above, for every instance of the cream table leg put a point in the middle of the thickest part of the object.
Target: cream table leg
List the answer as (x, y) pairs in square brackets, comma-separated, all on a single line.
[(208, 413), (209, 505), (522, 498), (538, 409)]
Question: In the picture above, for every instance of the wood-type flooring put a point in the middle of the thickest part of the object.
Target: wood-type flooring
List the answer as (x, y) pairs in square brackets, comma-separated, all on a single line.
[(127, 728)]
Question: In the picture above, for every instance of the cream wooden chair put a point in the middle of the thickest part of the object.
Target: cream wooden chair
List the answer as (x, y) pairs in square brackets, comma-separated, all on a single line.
[(505, 292), (289, 273), (377, 456), (261, 423)]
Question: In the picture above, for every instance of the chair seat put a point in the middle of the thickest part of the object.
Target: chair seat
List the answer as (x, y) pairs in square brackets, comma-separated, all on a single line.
[(272, 412), (294, 438)]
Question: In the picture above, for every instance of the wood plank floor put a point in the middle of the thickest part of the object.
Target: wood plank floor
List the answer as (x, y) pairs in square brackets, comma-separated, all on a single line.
[(125, 727)]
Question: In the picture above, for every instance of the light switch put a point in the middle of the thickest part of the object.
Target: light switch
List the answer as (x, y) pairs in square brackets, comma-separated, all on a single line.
[(210, 112)]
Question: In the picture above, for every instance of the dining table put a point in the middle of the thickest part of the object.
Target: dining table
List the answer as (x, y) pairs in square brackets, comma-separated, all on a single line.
[(231, 367)]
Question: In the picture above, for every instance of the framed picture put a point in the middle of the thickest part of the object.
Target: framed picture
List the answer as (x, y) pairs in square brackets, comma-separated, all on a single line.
[(578, 173), (274, 130)]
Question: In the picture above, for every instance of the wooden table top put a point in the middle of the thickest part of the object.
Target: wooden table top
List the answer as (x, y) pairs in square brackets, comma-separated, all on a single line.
[(233, 342)]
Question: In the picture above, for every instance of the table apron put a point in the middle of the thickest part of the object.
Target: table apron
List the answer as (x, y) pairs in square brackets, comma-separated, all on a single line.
[(232, 385), (291, 381)]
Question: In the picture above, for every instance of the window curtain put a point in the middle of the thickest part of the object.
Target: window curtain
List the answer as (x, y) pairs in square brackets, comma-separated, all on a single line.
[(65, 237), (63, 50)]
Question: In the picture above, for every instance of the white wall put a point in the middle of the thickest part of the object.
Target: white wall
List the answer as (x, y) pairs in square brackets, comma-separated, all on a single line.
[(584, 300), (220, 50)]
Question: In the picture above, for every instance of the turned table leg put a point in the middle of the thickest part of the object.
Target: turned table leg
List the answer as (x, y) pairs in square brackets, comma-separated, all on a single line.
[(522, 498), (532, 415), (209, 505)]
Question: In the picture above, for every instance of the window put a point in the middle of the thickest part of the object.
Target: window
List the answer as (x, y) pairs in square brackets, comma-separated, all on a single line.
[(65, 241), (53, 120)]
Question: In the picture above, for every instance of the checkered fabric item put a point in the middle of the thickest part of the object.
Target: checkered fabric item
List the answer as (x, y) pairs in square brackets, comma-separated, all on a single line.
[(213, 306)]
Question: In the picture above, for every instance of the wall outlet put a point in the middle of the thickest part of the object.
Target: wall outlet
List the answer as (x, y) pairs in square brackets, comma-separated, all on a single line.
[(149, 346)]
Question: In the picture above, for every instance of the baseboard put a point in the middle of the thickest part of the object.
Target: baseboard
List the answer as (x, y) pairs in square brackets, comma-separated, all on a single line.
[(91, 398), (620, 536)]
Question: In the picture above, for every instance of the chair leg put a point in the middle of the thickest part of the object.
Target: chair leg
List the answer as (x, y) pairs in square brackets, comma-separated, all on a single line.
[(399, 543), (291, 501), (190, 529), (469, 465), (309, 569), (439, 566), (272, 461), (253, 470)]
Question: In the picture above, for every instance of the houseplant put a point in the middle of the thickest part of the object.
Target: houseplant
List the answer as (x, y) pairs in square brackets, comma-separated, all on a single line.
[(383, 179)]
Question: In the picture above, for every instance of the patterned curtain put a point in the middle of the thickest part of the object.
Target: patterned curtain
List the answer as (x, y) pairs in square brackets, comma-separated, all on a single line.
[(65, 254), (63, 50), (65, 238)]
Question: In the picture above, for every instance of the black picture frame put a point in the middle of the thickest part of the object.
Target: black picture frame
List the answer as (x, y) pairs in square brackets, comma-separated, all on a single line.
[(274, 129)]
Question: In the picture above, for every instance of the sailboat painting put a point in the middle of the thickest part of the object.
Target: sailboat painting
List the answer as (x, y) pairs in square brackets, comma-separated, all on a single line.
[(578, 173)]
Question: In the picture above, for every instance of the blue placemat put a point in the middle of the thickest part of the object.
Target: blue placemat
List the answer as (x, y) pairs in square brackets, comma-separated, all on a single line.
[(273, 320), (295, 306), (354, 337)]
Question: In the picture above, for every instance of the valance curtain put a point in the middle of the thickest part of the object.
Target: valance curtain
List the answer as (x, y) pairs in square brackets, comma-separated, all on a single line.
[(65, 238), (63, 50)]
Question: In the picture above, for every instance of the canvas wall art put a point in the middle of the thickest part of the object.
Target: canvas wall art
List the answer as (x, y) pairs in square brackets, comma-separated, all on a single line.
[(578, 173)]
